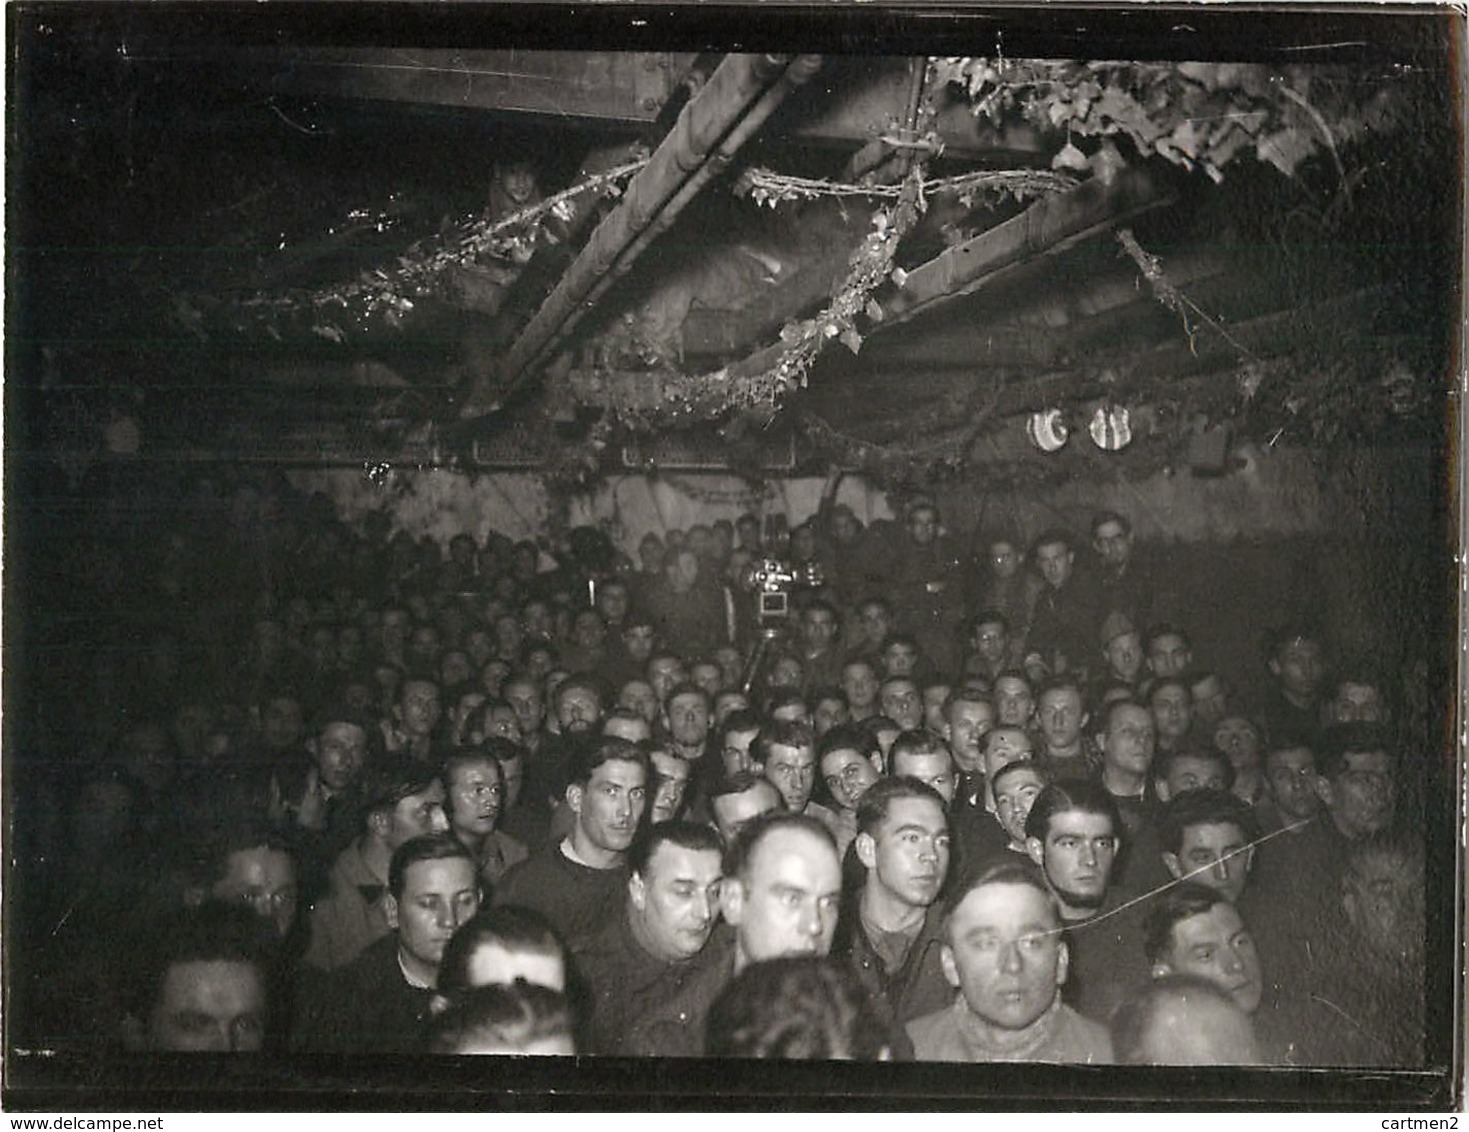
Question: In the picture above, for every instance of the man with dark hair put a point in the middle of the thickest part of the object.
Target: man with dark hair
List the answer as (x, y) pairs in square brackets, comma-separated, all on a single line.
[(969, 716), (1357, 779), (631, 647), (1170, 652), (1293, 708), (687, 718), (1208, 837), (795, 1008), (1195, 930), (820, 626), (1355, 697), (247, 862), (1295, 901), (1005, 955), (900, 700), (1173, 713), (379, 1002), (1074, 833), (828, 707), (873, 626), (401, 799), (320, 801), (860, 683), (685, 604), (1064, 621), (578, 883), (735, 738), (739, 799), (519, 1019), (890, 931), (1013, 698), (205, 985), (926, 757), (786, 754), (780, 895), (987, 644), (1061, 715), (1122, 584), (644, 955), (409, 728), (668, 785), (1190, 768), (1291, 802), (850, 762)]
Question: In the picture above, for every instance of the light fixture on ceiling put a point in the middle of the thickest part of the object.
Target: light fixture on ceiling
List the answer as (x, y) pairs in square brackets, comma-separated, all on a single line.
[(1047, 430), (1111, 427)]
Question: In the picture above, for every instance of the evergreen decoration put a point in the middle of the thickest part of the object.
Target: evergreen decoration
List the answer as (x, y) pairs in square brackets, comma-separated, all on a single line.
[(1198, 115)]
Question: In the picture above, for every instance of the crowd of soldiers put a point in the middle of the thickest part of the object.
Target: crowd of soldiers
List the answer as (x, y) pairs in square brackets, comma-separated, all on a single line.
[(346, 791)]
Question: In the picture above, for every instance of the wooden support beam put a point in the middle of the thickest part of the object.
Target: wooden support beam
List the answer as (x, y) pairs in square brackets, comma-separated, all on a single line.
[(730, 108), (624, 87), (1045, 228)]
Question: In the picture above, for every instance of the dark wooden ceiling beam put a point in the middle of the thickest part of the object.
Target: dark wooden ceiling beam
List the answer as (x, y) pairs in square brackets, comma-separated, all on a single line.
[(628, 88), (1047, 227), (738, 99), (870, 412)]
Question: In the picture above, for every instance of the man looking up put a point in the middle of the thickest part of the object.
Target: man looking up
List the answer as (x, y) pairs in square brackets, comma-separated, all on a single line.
[(891, 932), (1005, 954), (672, 905), (578, 883)]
